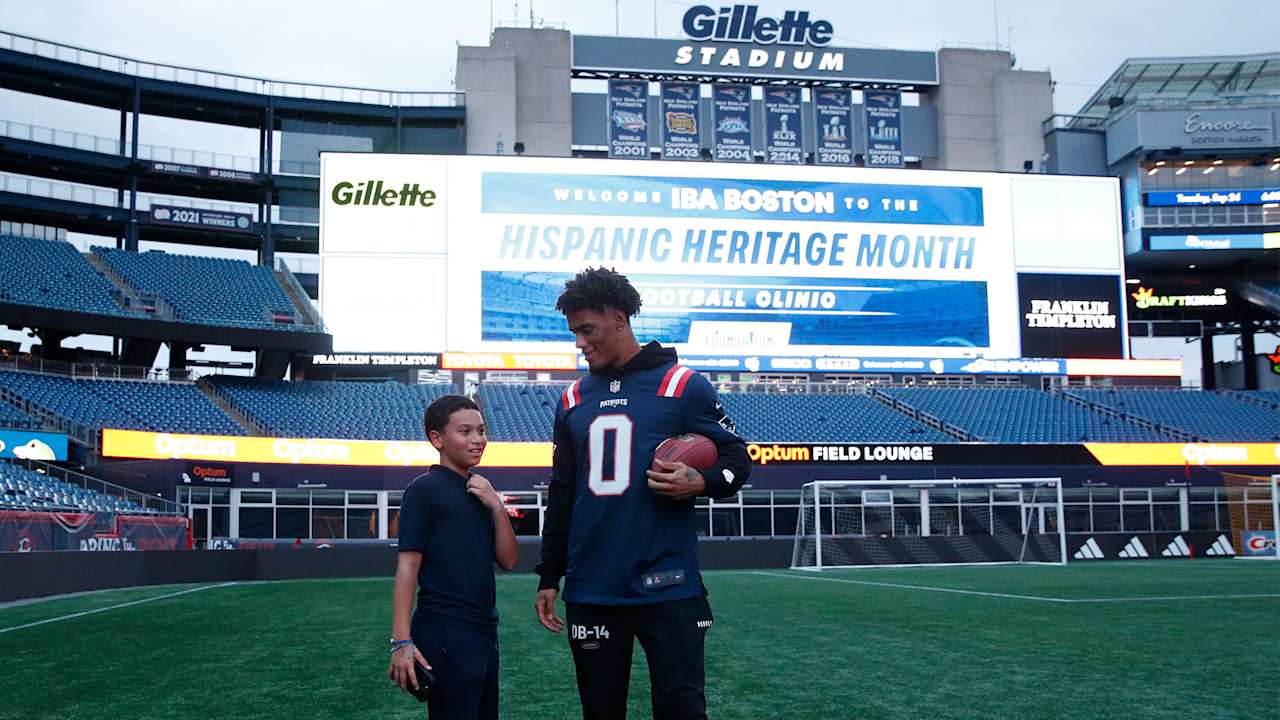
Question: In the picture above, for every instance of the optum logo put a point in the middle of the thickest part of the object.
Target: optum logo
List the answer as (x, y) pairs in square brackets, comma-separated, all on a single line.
[(374, 192)]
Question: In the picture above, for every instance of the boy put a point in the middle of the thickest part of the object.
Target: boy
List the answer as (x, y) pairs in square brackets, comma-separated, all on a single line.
[(453, 526)]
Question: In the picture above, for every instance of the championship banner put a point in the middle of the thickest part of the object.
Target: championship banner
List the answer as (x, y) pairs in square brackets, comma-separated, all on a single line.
[(23, 531), (732, 109), (204, 219), (883, 112), (833, 126), (628, 118), (681, 121), (782, 126)]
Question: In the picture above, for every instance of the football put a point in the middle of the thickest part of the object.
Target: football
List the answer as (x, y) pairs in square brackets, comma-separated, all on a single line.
[(696, 451)]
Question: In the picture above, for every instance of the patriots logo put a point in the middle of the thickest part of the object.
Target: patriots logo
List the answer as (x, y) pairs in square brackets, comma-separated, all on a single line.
[(684, 91), (736, 93), (838, 98), (882, 99), (788, 96), (632, 90)]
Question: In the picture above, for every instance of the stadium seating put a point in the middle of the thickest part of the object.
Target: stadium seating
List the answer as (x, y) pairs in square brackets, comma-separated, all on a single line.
[(520, 412), (12, 417), (331, 409), (123, 404), (23, 489), (212, 291), (1206, 415), (1021, 415), (53, 274), (762, 417)]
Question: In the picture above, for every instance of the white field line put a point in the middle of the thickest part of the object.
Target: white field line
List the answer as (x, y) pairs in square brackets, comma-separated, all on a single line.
[(60, 618), (1010, 596)]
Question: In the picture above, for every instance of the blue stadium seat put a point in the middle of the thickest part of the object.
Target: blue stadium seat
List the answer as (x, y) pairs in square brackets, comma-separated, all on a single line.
[(520, 412), (123, 404), (331, 409), (1021, 415), (24, 489), (768, 417), (211, 291), (12, 417), (1208, 415), (53, 274)]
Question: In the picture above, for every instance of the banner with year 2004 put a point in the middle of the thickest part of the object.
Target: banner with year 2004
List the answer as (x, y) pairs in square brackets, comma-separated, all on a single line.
[(732, 106)]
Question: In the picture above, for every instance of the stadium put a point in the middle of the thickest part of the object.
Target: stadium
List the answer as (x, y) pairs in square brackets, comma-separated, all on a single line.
[(1009, 379)]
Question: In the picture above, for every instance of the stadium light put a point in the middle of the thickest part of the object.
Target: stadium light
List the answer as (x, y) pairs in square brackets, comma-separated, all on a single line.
[(1217, 162), (1207, 170), (1180, 171), (1134, 281), (1153, 171), (1160, 163), (1276, 166), (1189, 162)]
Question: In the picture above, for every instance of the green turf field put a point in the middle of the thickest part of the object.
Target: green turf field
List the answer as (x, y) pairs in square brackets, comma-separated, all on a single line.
[(1198, 639)]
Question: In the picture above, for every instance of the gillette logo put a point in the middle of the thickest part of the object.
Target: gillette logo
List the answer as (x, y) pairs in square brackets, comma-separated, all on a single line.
[(740, 23)]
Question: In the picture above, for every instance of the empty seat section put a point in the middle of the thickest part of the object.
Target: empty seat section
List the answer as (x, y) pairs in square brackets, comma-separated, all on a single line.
[(762, 417), (1021, 415), (53, 274), (207, 290), (122, 404), (1204, 414), (332, 409)]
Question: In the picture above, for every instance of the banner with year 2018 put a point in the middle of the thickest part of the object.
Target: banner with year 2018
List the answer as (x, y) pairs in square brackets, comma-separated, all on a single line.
[(681, 121), (782, 143), (628, 119), (832, 127), (732, 110), (884, 128)]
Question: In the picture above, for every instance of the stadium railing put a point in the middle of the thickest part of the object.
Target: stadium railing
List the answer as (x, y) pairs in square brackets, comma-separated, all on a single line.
[(226, 81)]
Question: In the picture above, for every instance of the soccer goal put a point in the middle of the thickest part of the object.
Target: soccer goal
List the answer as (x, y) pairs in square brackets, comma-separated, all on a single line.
[(853, 523), (1253, 508)]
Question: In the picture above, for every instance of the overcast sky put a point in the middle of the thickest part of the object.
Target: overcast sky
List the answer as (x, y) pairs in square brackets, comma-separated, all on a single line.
[(412, 45)]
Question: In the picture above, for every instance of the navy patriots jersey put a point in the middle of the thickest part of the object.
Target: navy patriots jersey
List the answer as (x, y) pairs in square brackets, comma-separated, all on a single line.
[(621, 543)]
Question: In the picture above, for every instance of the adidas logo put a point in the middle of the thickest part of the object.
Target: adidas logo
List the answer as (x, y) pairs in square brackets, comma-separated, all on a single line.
[(1135, 549), (1221, 546), (1089, 551), (1176, 548)]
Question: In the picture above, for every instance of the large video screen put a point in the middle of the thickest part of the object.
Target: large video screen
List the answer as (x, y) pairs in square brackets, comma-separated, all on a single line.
[(430, 252)]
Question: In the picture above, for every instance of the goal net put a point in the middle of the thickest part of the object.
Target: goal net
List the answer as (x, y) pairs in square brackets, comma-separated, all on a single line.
[(1253, 506), (929, 522)]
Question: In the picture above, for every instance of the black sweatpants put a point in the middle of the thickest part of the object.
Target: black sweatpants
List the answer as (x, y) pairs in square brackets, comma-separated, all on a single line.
[(672, 634), (464, 661)]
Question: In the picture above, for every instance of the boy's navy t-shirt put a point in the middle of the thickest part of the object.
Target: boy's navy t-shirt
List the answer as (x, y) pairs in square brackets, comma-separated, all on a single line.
[(454, 532)]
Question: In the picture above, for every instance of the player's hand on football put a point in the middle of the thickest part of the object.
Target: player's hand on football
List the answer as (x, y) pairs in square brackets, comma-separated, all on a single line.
[(401, 671), (677, 481), (545, 606), (479, 486)]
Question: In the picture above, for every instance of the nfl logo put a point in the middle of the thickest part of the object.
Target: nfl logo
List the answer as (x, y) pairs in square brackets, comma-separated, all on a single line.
[(615, 386)]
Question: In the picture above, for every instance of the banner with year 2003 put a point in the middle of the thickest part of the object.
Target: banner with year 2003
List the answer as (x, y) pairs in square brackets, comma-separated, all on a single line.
[(681, 121)]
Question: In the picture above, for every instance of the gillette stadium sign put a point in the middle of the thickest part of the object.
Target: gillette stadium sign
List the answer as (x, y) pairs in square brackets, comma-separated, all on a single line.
[(743, 41)]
